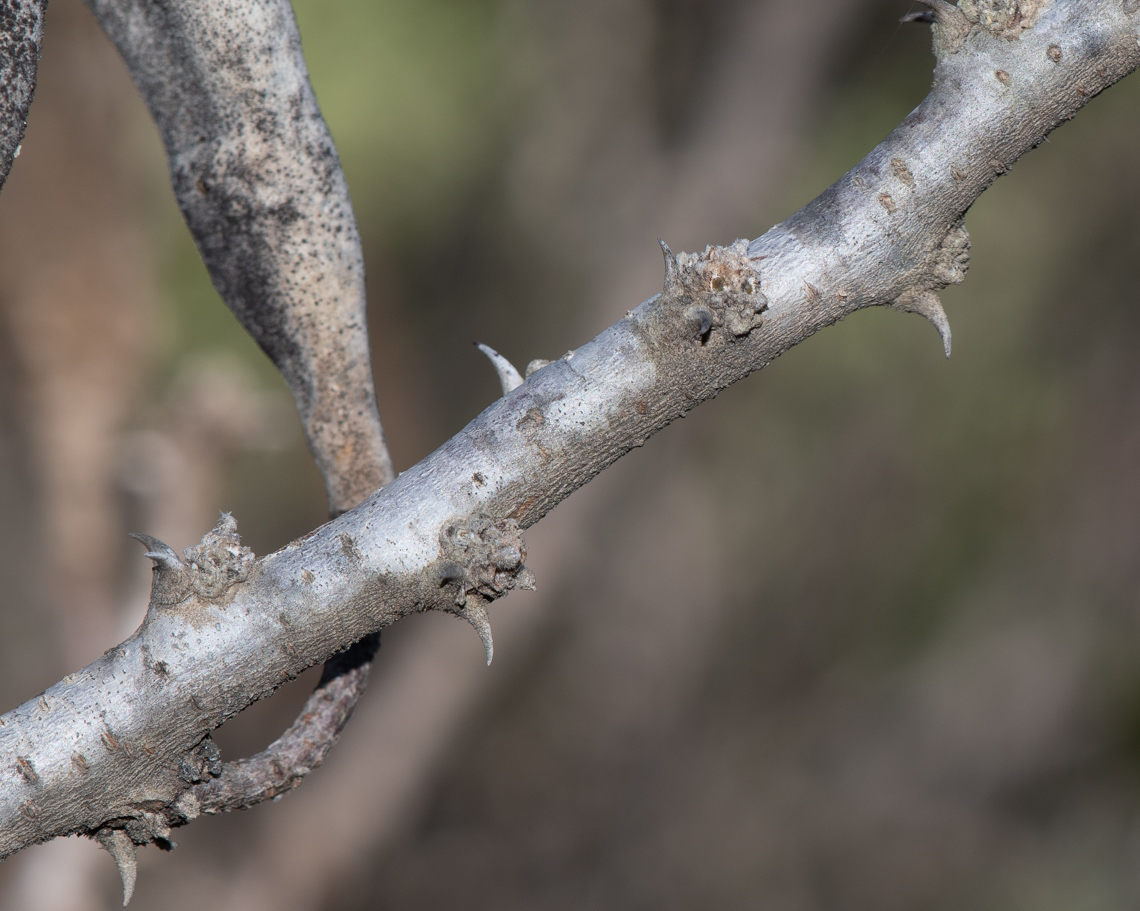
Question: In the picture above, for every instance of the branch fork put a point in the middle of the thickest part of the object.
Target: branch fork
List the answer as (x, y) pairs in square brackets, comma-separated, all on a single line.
[(116, 747)]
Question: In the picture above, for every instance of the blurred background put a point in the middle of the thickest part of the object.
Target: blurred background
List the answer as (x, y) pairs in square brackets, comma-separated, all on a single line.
[(863, 633)]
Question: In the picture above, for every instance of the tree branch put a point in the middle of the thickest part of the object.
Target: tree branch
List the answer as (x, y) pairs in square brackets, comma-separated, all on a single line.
[(258, 179), (395, 747), (21, 35), (118, 745), (285, 763)]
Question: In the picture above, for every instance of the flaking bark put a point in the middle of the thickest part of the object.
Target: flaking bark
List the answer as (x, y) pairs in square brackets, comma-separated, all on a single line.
[(886, 232)]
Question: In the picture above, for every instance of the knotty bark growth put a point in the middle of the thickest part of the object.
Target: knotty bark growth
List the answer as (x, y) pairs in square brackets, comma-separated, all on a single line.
[(888, 233)]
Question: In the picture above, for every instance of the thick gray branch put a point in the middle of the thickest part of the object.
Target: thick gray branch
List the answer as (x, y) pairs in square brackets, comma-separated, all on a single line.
[(259, 182), (121, 743), (257, 177), (21, 35)]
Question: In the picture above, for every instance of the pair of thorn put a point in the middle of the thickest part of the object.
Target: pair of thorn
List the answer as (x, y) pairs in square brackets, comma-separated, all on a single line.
[(158, 551)]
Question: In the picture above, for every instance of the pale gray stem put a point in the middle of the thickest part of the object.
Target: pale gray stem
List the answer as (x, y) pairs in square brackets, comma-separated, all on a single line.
[(258, 180), (119, 744), (21, 35)]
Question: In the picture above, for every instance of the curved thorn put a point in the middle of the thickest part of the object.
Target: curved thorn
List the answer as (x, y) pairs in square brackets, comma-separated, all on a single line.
[(476, 614), (509, 378), (165, 560), (158, 551), (122, 850), (927, 304), (672, 270)]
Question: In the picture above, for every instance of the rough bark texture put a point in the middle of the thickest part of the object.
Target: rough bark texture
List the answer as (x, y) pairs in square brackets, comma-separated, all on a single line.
[(704, 177), (286, 762), (123, 743), (21, 34), (259, 182)]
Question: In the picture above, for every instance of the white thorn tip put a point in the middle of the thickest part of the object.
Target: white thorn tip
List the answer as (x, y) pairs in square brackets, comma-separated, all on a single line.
[(927, 304), (122, 850), (157, 550), (476, 615), (672, 270), (509, 377)]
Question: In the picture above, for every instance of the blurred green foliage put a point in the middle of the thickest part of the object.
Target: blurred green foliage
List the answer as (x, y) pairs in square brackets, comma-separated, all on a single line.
[(413, 94)]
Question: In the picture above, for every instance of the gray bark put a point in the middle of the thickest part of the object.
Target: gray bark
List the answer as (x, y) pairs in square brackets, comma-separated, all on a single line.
[(21, 34), (397, 746), (258, 179), (122, 746)]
